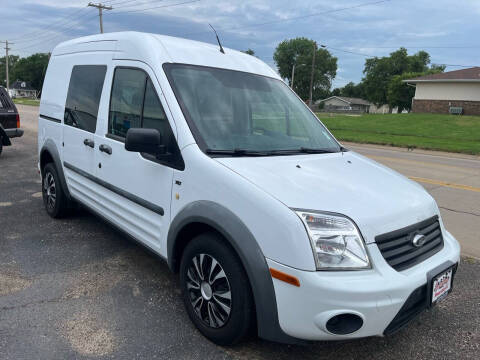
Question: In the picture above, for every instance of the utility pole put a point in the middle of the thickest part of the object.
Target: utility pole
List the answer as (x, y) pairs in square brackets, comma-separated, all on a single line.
[(6, 63), (293, 72), (100, 7), (311, 76), (293, 75)]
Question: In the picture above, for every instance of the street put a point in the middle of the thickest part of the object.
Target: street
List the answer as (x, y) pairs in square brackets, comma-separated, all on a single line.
[(77, 288)]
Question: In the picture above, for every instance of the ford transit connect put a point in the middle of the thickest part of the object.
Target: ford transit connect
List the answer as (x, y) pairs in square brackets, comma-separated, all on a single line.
[(211, 161)]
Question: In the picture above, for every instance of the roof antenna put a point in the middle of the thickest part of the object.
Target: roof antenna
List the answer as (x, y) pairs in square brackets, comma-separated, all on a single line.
[(219, 44)]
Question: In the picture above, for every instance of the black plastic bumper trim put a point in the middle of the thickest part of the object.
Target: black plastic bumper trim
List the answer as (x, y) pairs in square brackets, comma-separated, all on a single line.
[(418, 301), (13, 133)]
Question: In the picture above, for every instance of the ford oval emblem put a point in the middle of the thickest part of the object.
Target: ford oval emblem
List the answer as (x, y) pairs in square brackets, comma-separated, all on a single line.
[(419, 240)]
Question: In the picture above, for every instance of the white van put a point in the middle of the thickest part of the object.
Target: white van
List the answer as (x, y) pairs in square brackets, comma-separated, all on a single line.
[(212, 162)]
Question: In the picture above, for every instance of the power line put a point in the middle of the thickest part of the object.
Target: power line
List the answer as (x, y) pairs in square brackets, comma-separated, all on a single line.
[(152, 8), (348, 52), (50, 38), (110, 2), (298, 17), (47, 38), (34, 34), (421, 47), (49, 32), (455, 65), (117, 2), (137, 4), (374, 56)]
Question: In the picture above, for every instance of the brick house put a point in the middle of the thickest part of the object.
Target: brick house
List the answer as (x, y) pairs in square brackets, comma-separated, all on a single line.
[(440, 93)]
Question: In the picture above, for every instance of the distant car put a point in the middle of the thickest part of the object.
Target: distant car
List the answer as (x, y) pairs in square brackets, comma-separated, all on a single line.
[(9, 120)]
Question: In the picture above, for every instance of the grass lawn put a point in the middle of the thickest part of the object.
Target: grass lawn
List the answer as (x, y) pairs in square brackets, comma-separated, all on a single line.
[(27, 102), (427, 131)]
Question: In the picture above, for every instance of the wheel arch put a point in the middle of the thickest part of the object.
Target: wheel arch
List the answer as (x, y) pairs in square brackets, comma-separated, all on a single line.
[(49, 153), (201, 216)]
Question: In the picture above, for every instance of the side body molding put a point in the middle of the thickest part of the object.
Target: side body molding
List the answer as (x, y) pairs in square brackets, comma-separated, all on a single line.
[(247, 248), (51, 148)]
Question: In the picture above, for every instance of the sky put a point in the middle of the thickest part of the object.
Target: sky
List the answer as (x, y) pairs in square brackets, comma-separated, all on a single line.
[(352, 30)]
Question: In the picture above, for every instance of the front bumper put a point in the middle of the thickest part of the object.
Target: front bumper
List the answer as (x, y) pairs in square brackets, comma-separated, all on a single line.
[(375, 295), (12, 133)]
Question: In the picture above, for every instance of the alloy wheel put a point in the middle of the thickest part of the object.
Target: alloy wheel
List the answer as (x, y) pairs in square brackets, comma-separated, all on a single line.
[(50, 190), (209, 290)]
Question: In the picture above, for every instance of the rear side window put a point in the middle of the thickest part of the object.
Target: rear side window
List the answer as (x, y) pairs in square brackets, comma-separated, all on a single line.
[(83, 97)]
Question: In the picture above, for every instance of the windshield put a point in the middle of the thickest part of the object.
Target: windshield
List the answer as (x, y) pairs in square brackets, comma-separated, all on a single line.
[(232, 112)]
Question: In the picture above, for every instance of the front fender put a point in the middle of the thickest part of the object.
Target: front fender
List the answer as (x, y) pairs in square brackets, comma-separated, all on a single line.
[(243, 242)]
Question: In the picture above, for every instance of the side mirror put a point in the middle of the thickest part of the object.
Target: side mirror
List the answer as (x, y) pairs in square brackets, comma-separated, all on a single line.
[(144, 140)]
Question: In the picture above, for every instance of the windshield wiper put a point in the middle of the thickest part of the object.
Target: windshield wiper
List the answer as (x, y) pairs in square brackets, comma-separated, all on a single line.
[(236, 152), (305, 150), (316, 151), (245, 152)]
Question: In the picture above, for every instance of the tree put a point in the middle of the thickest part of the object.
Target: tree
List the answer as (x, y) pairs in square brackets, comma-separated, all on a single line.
[(12, 61), (336, 92), (380, 71), (299, 51), (400, 94), (31, 69), (249, 52), (352, 90)]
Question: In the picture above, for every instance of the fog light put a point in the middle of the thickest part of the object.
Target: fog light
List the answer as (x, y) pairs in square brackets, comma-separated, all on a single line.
[(344, 324)]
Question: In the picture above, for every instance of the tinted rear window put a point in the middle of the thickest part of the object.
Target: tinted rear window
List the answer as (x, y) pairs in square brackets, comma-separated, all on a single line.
[(83, 98), (4, 100)]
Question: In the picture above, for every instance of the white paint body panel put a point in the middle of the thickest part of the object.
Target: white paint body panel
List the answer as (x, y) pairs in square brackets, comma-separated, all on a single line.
[(375, 295), (378, 199), (260, 191), (278, 230)]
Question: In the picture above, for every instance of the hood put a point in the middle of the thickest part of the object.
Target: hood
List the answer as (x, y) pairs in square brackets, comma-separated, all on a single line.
[(375, 197)]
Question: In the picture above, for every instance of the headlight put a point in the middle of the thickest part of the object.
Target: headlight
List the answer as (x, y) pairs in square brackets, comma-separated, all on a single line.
[(336, 241)]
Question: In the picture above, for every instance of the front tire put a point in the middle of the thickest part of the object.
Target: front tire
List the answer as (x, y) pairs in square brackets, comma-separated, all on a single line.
[(216, 290), (54, 199)]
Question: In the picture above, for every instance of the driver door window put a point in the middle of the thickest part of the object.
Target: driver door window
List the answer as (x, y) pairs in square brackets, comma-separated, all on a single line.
[(134, 103)]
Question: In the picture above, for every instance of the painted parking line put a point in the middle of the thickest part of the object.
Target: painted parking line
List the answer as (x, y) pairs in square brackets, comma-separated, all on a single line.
[(446, 184), (422, 163)]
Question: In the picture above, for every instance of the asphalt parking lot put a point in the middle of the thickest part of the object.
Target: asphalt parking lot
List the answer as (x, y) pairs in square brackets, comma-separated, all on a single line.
[(76, 288)]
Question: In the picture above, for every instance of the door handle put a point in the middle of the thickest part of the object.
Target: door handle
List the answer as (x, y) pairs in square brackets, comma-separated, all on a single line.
[(89, 142), (105, 148)]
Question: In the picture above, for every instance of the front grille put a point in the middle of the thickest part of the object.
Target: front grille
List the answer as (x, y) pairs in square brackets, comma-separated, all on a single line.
[(397, 246), (415, 304)]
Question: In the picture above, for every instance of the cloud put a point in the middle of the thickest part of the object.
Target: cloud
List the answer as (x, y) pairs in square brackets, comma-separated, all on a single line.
[(374, 30)]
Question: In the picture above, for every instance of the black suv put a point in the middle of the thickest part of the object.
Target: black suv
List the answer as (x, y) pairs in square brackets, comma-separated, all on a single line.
[(9, 120)]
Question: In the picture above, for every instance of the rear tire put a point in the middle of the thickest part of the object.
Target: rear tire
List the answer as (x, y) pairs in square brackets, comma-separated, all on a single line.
[(1, 145), (54, 199), (216, 290)]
